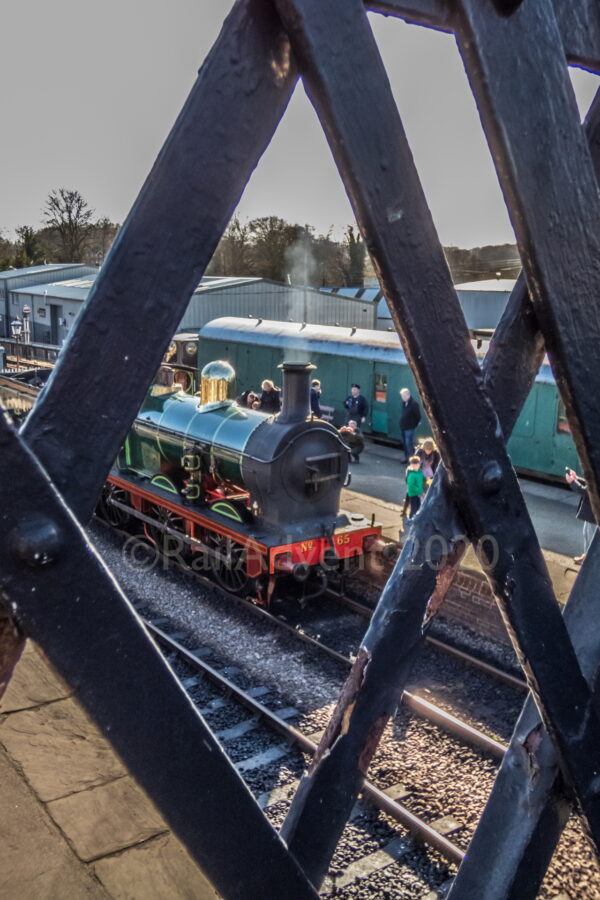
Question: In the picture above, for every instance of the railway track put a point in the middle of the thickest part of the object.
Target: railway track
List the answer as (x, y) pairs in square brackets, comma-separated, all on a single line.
[(405, 788), (421, 707), (432, 834)]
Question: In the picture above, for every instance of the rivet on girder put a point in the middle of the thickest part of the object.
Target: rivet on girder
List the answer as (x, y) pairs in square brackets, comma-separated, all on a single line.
[(490, 478), (36, 541)]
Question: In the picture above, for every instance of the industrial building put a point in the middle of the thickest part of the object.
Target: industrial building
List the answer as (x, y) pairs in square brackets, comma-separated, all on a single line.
[(12, 281), (55, 293), (54, 306), (482, 302), (264, 299), (55, 301)]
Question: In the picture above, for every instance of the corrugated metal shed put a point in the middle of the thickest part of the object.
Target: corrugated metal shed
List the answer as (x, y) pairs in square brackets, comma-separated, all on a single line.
[(72, 289), (272, 300), (13, 280), (27, 271), (482, 302)]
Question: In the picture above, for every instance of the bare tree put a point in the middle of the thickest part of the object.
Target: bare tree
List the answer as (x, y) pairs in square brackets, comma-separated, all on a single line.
[(70, 216)]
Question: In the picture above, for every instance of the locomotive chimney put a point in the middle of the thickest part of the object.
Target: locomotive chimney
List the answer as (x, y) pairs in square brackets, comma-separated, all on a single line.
[(295, 406)]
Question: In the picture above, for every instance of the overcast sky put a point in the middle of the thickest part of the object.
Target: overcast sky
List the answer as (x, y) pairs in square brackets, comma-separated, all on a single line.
[(91, 90)]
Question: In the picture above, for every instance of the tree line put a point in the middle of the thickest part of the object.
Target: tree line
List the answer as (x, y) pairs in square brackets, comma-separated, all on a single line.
[(263, 247), (70, 233), (270, 247)]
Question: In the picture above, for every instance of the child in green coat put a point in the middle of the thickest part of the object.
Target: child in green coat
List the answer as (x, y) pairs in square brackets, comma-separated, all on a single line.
[(415, 484)]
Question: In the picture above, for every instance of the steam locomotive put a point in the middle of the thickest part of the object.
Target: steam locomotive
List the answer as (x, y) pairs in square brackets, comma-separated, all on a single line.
[(251, 498)]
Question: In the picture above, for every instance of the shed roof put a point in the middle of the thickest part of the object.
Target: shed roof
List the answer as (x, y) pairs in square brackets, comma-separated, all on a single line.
[(71, 289), (216, 283), (370, 294), (502, 285), (33, 270)]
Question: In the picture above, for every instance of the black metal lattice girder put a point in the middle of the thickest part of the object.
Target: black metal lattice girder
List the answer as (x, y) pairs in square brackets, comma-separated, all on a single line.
[(528, 806), (71, 607), (579, 22), (160, 254), (65, 599), (241, 93), (385, 192)]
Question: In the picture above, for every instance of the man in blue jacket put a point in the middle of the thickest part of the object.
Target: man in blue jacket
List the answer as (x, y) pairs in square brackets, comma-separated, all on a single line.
[(356, 406)]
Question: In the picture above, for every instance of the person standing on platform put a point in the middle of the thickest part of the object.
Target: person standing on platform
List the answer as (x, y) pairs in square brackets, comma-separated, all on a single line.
[(415, 485), (584, 511), (270, 399), (429, 455), (410, 416), (315, 398), (356, 406), (352, 439)]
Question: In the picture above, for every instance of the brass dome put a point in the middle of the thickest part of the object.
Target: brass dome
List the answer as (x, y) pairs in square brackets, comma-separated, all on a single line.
[(217, 380)]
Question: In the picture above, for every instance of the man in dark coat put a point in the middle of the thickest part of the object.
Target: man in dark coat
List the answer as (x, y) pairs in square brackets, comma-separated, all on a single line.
[(315, 398), (270, 399), (584, 511), (356, 406), (410, 416)]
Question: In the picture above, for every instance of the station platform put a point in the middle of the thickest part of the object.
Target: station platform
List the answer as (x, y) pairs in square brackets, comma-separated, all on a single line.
[(380, 475), (75, 825), (378, 486)]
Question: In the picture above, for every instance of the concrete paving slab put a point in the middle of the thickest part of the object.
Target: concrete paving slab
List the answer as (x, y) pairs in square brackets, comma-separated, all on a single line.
[(35, 861), (59, 749), (106, 819), (155, 870), (33, 683), (66, 799)]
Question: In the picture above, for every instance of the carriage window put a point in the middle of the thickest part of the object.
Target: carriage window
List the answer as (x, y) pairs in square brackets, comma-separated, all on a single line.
[(380, 388), (562, 424)]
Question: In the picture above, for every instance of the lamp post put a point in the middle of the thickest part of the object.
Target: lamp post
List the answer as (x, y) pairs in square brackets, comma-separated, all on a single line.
[(16, 326)]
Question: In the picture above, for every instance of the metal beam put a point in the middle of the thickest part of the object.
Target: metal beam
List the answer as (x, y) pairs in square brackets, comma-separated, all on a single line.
[(546, 173), (579, 22), (63, 597), (528, 808), (368, 142)]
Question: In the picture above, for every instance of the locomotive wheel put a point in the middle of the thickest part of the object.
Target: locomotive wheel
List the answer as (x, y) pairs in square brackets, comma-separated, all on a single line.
[(168, 544), (228, 565), (116, 517)]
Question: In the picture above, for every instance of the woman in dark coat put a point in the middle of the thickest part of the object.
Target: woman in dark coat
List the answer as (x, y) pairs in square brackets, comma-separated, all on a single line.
[(270, 399)]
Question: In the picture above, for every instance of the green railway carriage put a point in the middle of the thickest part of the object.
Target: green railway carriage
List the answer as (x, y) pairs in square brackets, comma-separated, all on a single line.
[(541, 442)]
